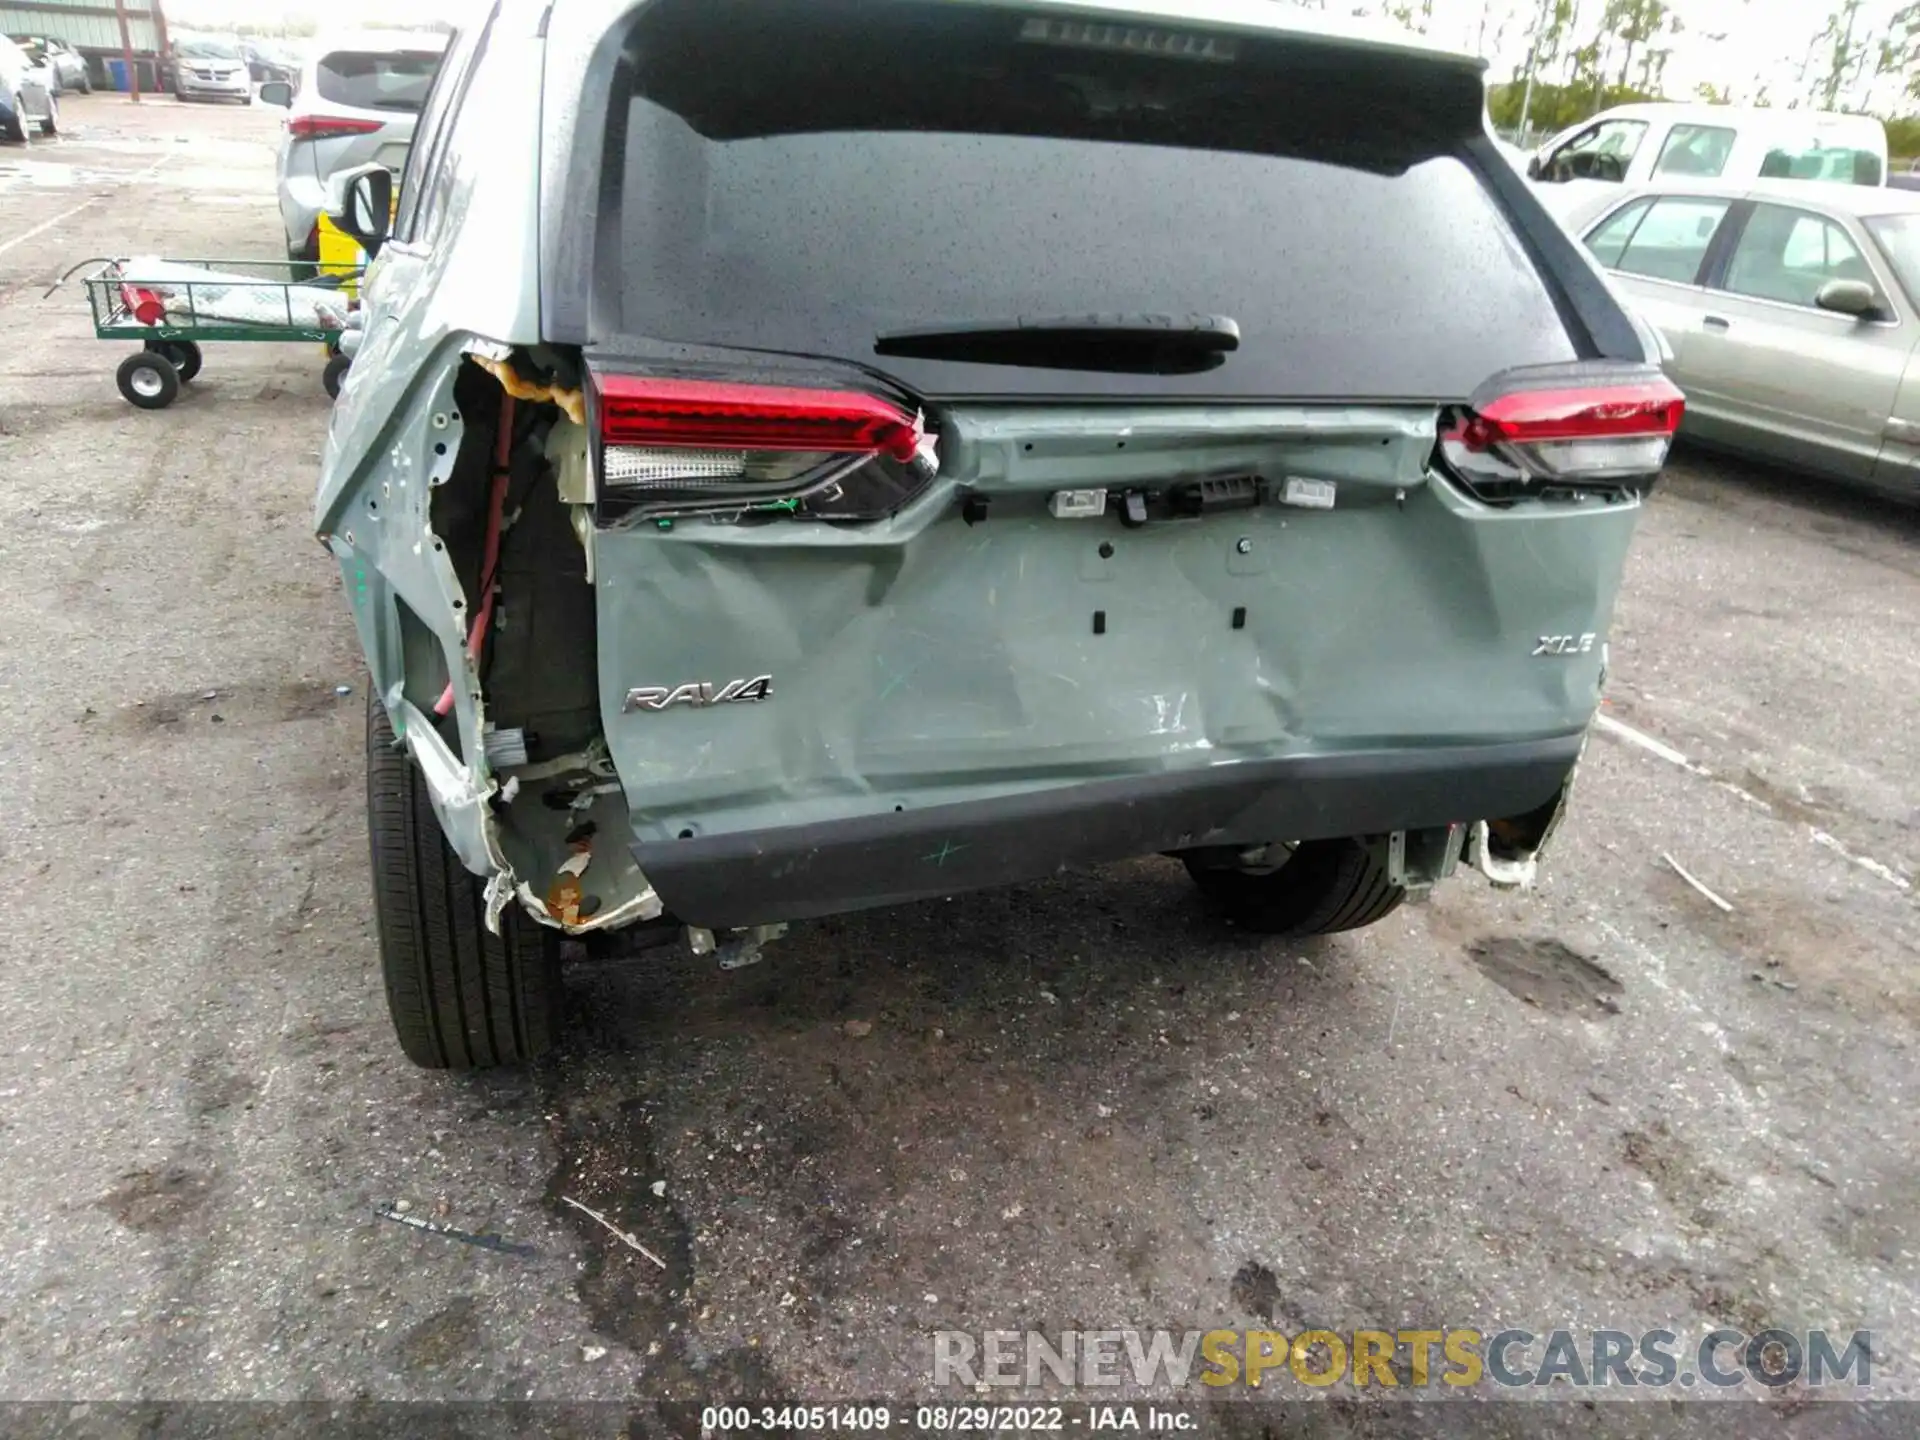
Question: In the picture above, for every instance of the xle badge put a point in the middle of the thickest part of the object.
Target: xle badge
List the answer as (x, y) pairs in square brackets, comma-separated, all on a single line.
[(700, 695), (1564, 645)]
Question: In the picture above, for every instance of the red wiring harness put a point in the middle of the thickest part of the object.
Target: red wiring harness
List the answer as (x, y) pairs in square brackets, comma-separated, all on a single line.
[(490, 557)]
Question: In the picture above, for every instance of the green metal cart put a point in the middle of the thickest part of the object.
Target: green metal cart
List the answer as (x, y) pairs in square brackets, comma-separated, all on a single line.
[(173, 306)]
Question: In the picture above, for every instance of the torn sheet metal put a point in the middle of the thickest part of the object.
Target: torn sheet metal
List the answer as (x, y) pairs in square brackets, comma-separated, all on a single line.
[(389, 555), (571, 402)]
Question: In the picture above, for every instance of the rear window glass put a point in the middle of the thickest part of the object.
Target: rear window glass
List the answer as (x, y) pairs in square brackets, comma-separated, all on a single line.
[(1812, 160), (376, 81), (836, 171), (1696, 150)]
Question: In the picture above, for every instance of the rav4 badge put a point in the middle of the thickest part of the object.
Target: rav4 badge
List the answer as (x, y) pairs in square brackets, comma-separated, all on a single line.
[(699, 694)]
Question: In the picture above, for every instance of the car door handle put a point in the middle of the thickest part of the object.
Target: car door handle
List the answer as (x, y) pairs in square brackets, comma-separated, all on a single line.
[(1714, 322)]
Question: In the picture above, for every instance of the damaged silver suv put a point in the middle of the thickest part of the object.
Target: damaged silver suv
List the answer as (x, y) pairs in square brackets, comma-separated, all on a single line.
[(805, 455)]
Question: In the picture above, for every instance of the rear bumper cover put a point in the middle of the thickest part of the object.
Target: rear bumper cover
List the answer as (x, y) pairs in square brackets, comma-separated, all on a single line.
[(803, 871)]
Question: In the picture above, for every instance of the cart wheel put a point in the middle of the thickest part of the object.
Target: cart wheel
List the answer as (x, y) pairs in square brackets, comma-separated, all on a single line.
[(149, 380), (183, 355), (336, 371)]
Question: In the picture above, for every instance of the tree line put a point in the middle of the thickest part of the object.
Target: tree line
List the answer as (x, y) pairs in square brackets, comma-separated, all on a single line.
[(1586, 55)]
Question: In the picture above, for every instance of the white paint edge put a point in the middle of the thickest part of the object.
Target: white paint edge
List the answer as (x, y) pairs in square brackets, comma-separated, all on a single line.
[(1620, 730), (46, 225), (1867, 863), (65, 215)]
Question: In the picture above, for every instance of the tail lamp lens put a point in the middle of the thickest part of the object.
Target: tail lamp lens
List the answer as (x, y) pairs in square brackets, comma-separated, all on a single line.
[(1577, 434), (671, 446), (331, 127)]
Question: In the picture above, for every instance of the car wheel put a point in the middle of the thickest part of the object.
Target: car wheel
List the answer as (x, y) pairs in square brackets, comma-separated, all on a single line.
[(16, 128), (460, 997), (335, 374), (1325, 886), (86, 84), (51, 125), (183, 355), (148, 380)]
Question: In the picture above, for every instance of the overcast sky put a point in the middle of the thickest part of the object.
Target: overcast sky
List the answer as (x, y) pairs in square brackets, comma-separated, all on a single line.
[(1740, 44)]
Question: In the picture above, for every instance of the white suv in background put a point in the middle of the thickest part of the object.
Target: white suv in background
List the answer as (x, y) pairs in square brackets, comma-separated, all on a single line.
[(357, 100)]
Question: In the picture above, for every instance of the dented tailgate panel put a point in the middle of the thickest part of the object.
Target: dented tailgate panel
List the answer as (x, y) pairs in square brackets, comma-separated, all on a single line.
[(964, 652)]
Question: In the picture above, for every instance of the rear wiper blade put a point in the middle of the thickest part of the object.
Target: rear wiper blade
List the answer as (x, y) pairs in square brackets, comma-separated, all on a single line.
[(1131, 343)]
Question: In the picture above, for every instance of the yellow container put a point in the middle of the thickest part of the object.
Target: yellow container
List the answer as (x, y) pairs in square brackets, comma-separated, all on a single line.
[(340, 254)]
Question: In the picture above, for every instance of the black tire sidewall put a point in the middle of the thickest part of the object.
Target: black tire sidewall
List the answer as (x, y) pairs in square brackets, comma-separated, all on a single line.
[(183, 355), (424, 901), (1326, 887), (159, 364)]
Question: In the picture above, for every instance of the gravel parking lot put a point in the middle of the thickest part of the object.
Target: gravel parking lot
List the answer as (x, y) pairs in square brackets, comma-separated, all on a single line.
[(1079, 1104)]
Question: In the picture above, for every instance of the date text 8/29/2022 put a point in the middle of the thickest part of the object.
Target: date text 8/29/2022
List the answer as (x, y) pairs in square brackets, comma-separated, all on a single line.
[(943, 1419)]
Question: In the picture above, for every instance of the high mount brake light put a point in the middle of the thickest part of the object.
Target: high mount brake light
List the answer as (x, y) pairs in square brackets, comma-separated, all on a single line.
[(672, 446), (1571, 434), (722, 415)]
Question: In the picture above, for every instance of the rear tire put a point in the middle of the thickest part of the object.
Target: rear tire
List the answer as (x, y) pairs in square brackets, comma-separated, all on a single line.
[(183, 355), (1326, 887), (16, 128), (51, 125), (335, 373), (148, 380), (460, 997)]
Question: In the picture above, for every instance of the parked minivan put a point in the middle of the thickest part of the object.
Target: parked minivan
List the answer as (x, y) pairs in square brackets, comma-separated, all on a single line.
[(1634, 144)]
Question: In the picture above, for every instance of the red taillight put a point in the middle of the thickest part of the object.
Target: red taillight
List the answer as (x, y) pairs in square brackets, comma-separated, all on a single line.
[(719, 415), (1651, 407), (1561, 429), (330, 127), (719, 447)]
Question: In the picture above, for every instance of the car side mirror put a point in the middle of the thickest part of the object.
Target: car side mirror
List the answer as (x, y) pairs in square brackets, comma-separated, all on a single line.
[(1849, 297), (362, 205), (277, 92)]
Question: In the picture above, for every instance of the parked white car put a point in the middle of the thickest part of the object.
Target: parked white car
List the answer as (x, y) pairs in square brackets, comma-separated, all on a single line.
[(26, 95), (1636, 144)]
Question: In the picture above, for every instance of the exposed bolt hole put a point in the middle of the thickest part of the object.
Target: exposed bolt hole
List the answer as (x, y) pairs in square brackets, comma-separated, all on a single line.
[(898, 808), (1027, 446), (440, 448), (439, 545), (1120, 445), (1106, 549), (686, 834)]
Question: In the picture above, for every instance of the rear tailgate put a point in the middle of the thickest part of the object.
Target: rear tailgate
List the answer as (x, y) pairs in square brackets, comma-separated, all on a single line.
[(1126, 561)]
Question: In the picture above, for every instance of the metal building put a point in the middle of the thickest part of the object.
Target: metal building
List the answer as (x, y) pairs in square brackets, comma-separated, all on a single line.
[(93, 27)]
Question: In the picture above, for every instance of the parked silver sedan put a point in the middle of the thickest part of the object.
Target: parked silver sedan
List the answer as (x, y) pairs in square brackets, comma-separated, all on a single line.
[(1792, 313)]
